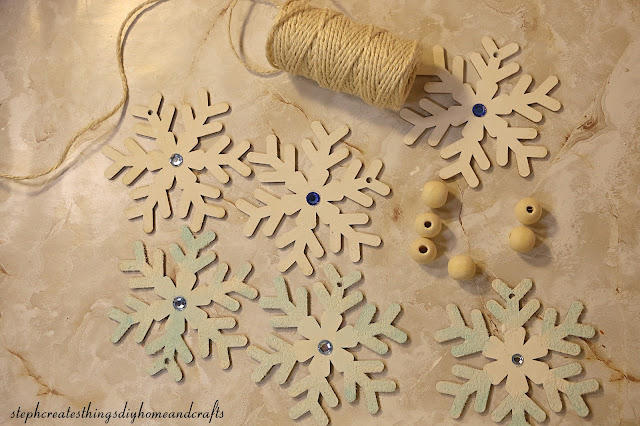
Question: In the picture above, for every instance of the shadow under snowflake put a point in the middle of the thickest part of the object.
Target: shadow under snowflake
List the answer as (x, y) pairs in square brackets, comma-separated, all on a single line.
[(182, 303), (516, 360), (176, 160), (482, 108), (313, 196), (326, 344)]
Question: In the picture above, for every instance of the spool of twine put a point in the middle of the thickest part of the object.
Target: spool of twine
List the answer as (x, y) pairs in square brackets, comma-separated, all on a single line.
[(342, 55)]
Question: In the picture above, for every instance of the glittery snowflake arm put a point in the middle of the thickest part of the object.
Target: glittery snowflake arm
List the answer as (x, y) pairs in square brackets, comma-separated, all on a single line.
[(220, 288), (293, 312), (171, 343), (555, 335), (478, 382), (151, 277), (556, 383), (314, 387), (284, 357), (335, 299), (368, 331), (210, 330), (357, 373), (512, 316), (474, 338), (190, 261), (518, 405)]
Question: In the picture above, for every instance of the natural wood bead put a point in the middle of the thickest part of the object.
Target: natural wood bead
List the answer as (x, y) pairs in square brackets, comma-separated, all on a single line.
[(434, 194), (423, 250), (522, 239), (462, 267), (428, 225), (528, 211)]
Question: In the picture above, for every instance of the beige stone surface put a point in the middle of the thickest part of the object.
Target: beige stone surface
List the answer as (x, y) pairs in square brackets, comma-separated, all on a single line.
[(60, 244)]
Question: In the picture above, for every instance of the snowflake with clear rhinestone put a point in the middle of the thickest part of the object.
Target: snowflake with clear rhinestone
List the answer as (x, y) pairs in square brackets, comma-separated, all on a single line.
[(516, 358), (326, 344)]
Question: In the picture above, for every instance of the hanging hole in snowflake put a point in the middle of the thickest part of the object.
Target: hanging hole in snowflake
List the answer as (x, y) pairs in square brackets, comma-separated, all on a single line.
[(496, 54), (166, 361), (529, 209), (339, 284), (313, 198), (511, 296), (369, 180), (180, 303), (176, 160), (479, 110), (423, 249), (517, 359), (325, 347), (150, 112)]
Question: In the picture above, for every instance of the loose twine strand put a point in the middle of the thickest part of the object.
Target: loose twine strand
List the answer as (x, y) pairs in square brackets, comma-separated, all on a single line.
[(319, 44), (96, 122)]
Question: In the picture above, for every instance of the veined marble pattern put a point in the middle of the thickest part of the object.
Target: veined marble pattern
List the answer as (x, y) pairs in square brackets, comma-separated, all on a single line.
[(60, 245)]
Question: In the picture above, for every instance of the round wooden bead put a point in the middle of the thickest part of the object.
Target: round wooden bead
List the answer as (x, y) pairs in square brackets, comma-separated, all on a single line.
[(522, 239), (434, 194), (528, 211), (462, 267), (423, 250), (427, 225)]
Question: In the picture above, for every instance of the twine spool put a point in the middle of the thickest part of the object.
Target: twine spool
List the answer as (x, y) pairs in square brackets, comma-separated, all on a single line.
[(342, 55)]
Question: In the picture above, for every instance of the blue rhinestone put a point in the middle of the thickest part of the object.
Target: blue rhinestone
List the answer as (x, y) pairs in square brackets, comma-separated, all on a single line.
[(313, 198), (479, 110)]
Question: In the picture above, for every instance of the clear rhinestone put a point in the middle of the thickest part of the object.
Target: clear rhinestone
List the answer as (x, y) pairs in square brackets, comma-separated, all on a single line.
[(180, 303), (517, 359), (176, 160), (325, 347)]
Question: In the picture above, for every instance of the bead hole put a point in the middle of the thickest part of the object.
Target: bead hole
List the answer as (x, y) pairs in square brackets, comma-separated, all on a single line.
[(427, 224), (529, 209), (423, 249)]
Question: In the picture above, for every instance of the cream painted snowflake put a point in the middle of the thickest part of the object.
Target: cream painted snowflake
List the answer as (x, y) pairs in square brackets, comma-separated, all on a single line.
[(482, 108), (182, 301), (313, 195), (179, 158), (516, 358), (327, 344)]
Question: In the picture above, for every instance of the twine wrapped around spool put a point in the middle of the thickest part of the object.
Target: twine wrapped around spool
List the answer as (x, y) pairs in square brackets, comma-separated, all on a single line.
[(342, 55)]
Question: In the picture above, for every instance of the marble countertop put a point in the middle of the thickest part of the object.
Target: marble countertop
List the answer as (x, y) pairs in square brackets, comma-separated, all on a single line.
[(60, 244)]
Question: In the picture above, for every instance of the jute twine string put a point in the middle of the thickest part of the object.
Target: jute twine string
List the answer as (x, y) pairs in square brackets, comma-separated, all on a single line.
[(339, 54), (97, 121)]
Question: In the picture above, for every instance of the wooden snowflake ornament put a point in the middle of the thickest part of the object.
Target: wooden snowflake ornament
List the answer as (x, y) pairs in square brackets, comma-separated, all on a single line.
[(313, 195), (182, 301), (326, 344), (516, 358), (177, 159), (479, 109)]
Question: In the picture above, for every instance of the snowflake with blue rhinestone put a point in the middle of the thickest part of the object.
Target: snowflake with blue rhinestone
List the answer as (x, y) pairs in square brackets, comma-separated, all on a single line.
[(312, 196), (480, 109), (516, 358)]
